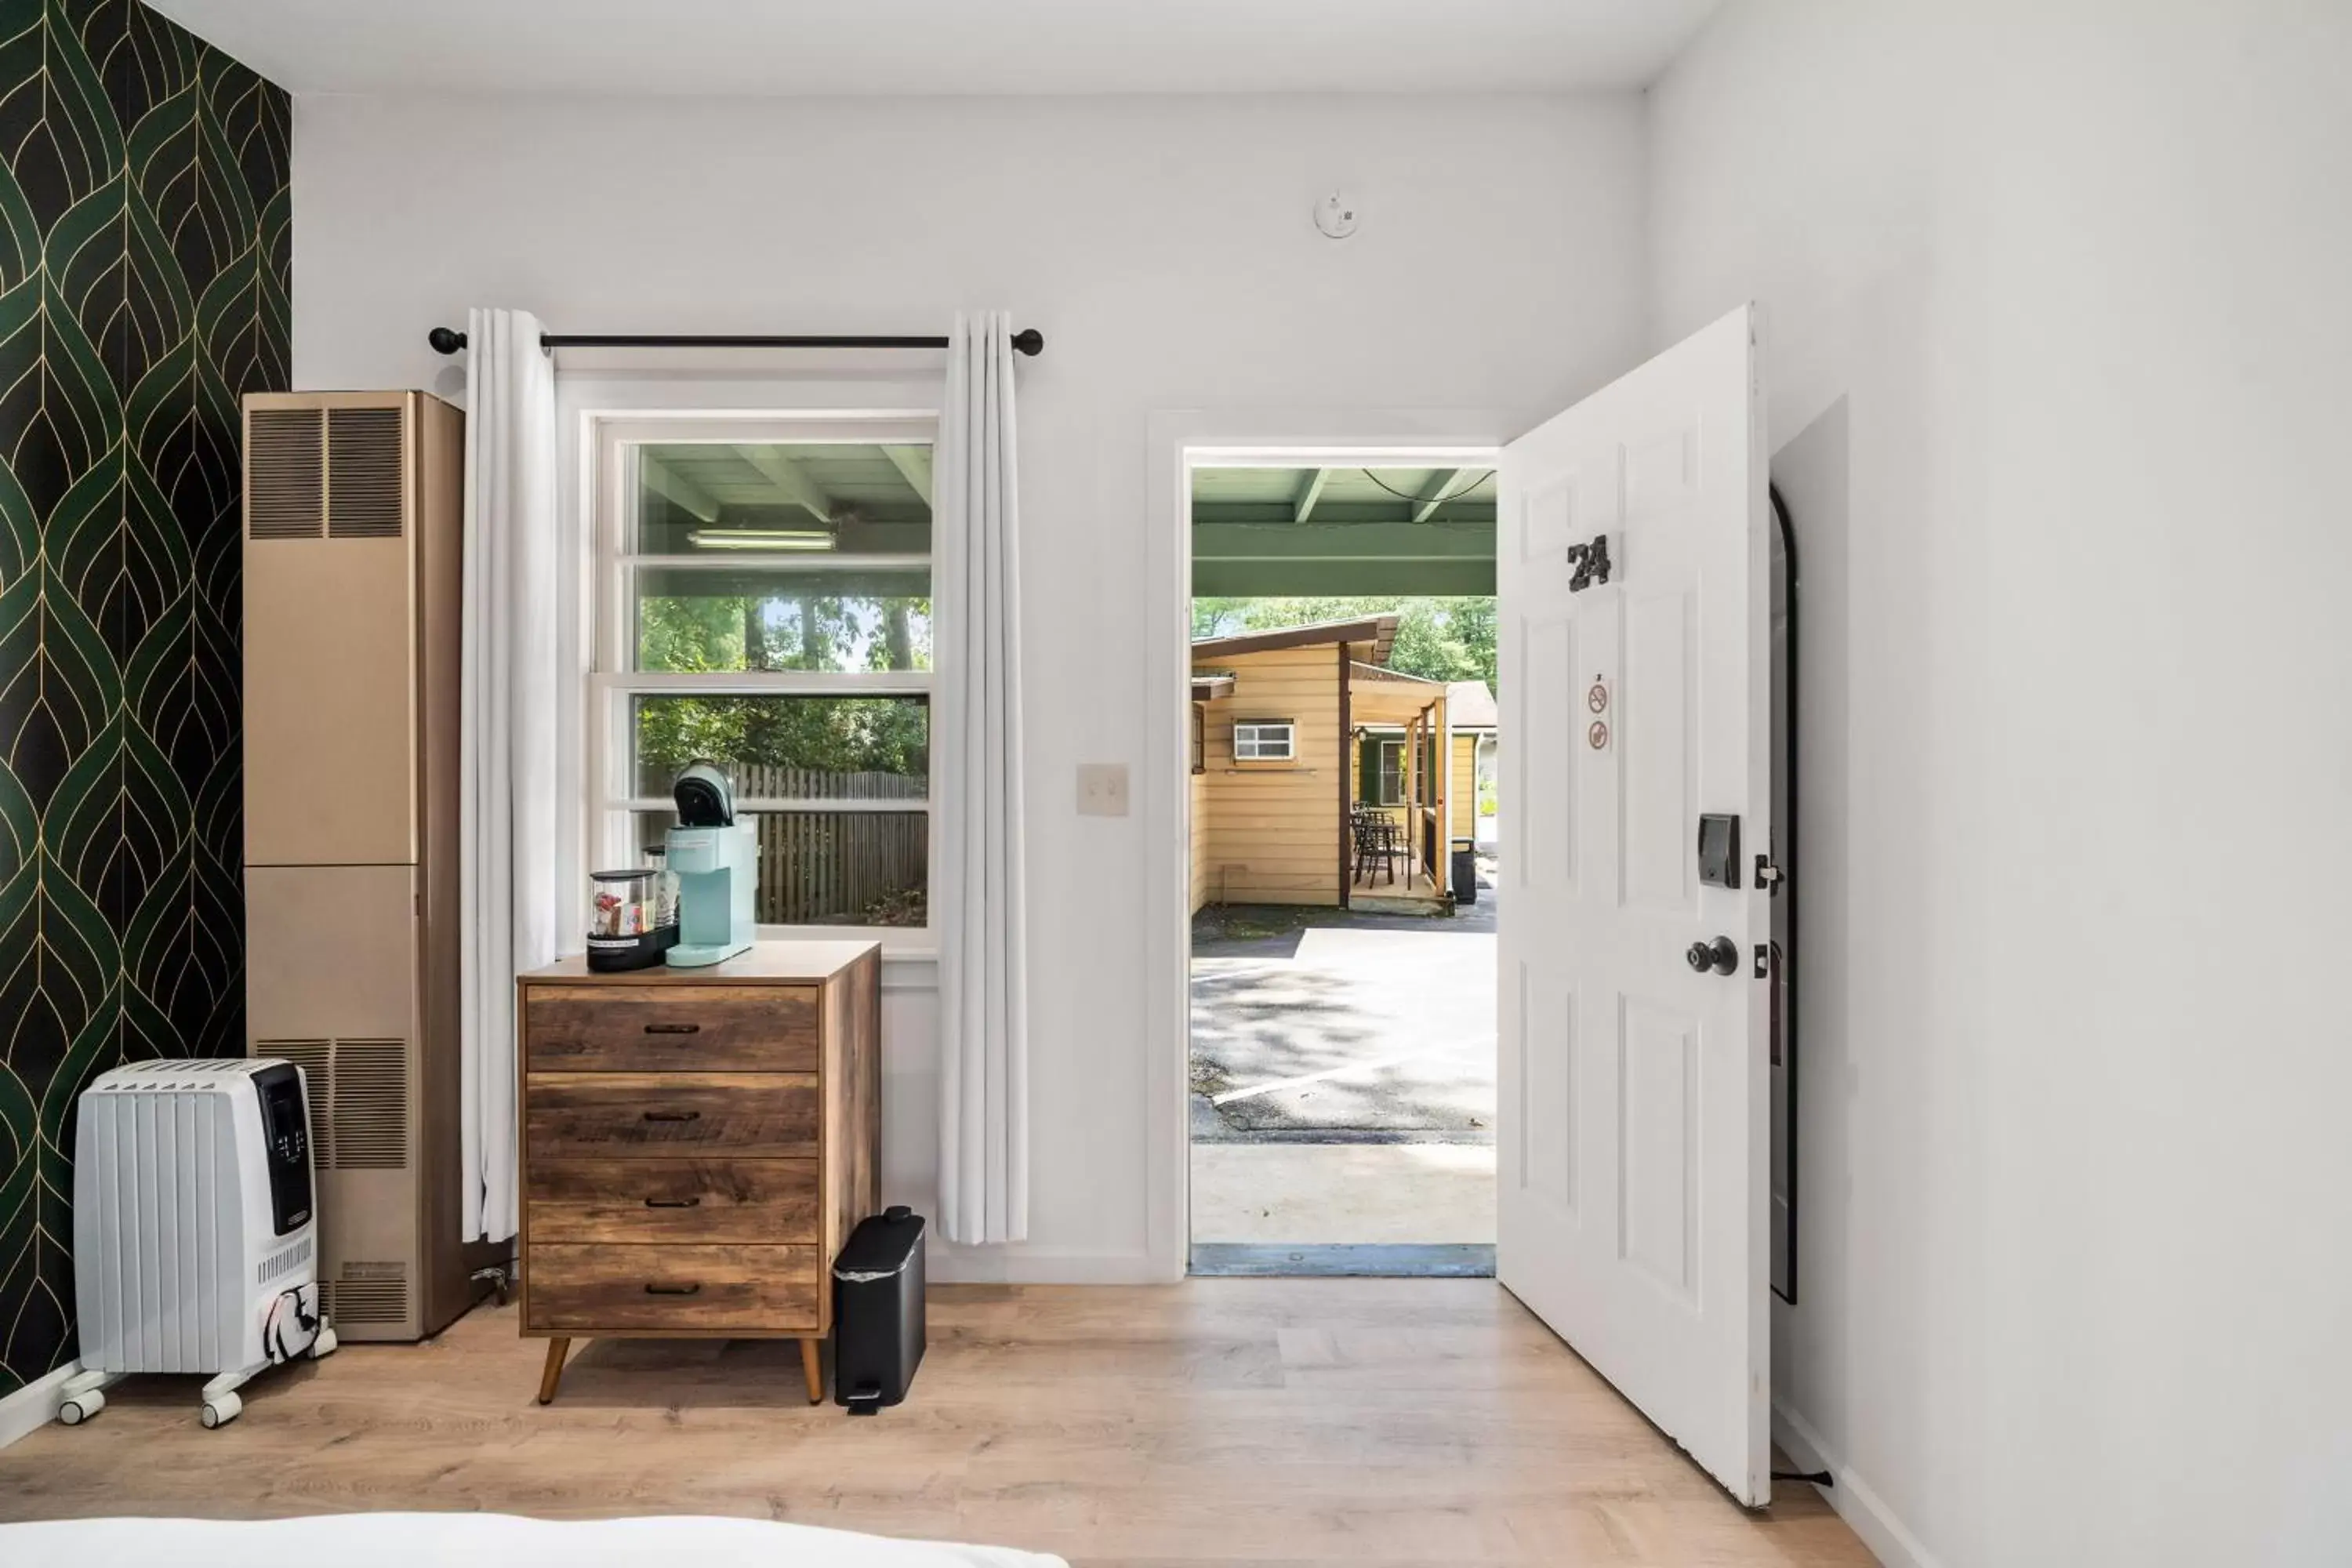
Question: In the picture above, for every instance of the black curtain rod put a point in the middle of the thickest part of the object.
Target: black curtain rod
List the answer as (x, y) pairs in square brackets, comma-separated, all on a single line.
[(448, 341)]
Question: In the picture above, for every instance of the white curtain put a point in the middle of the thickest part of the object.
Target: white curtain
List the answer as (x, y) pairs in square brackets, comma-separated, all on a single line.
[(977, 904), (509, 778)]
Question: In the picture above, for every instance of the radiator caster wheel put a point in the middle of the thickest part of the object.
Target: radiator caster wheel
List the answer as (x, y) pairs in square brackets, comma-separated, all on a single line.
[(222, 1411), (324, 1346), (81, 1407)]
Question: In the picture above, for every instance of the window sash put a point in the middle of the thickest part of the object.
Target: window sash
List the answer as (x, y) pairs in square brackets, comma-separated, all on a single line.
[(811, 561), (611, 765), (1266, 740), (766, 682), (765, 804), (613, 481), (1391, 772), (613, 679)]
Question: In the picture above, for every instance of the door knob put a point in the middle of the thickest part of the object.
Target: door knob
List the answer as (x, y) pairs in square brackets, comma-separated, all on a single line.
[(1720, 956)]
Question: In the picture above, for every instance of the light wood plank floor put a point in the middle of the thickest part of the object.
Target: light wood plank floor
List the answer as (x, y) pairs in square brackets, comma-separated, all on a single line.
[(1222, 1421)]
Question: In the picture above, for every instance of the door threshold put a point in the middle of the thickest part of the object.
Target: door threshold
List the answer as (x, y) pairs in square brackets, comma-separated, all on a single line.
[(1422, 1261)]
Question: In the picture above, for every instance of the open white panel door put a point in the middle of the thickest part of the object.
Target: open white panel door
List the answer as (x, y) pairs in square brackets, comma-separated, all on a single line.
[(1632, 1124)]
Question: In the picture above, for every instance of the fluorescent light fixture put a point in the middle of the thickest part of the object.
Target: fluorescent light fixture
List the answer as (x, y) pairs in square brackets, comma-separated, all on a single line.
[(760, 538)]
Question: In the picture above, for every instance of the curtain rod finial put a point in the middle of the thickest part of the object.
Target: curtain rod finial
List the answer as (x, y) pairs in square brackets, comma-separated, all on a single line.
[(1029, 341), (445, 340)]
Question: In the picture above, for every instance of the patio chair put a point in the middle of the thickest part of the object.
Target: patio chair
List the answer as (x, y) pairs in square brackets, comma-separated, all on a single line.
[(1378, 844)]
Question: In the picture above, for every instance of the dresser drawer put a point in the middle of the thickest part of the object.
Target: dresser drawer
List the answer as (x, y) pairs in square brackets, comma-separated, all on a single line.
[(591, 1288), (604, 1199), (626, 1115), (671, 1028)]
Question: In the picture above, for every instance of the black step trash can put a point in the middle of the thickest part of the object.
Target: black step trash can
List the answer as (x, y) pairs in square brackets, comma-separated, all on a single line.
[(877, 1312)]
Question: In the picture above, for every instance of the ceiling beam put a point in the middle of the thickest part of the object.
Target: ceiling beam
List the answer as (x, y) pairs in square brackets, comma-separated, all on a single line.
[(914, 464), (1434, 492), (677, 490), (1337, 508), (1302, 506), (1341, 579), (776, 466), (1390, 541), (1342, 559)]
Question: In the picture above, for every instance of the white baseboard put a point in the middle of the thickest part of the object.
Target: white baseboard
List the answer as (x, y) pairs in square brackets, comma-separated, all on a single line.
[(1888, 1538), (35, 1406)]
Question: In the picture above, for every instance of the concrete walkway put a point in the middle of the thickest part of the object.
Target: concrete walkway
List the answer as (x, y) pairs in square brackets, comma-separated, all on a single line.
[(1347, 1031), (1352, 1194), (1343, 1077)]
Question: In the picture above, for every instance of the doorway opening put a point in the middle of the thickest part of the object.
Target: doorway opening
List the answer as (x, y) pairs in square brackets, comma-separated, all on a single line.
[(1344, 816)]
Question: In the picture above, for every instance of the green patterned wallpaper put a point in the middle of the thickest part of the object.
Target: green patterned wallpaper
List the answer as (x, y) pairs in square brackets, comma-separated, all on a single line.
[(145, 263)]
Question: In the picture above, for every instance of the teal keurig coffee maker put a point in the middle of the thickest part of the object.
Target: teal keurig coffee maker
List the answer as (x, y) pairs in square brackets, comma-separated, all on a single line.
[(716, 859)]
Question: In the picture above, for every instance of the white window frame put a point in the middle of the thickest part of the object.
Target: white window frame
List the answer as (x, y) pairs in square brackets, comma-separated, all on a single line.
[(1391, 772), (613, 679), (1264, 731)]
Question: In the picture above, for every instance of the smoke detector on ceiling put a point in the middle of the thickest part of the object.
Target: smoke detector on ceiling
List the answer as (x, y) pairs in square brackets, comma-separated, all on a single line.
[(1335, 214)]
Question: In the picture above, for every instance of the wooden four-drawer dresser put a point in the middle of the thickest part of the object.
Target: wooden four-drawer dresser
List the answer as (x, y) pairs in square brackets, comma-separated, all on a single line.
[(696, 1145)]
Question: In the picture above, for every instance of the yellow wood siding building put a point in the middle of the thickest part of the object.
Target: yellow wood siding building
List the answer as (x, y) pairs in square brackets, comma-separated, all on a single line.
[(1461, 790), (1267, 832), (1317, 706)]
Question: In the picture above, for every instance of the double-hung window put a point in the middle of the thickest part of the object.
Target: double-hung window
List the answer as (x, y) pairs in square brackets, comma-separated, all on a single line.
[(763, 600)]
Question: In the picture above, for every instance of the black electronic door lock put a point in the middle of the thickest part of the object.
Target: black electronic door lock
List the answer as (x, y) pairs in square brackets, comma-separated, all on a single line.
[(1718, 851)]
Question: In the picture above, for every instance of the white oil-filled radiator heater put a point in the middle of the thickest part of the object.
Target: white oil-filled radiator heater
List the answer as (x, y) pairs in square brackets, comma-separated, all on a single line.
[(195, 1240)]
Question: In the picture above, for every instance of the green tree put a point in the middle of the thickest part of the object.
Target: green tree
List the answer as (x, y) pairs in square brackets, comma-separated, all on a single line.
[(1471, 623), (691, 634), (1440, 639), (852, 630)]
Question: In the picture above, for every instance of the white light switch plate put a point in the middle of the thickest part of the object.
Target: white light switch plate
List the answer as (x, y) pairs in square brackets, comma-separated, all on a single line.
[(1102, 789)]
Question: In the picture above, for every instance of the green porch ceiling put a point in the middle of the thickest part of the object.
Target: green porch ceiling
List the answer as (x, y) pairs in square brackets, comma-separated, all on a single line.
[(1265, 531)]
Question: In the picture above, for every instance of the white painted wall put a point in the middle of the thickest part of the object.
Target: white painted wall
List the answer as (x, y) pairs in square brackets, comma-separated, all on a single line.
[(1163, 246), (2061, 302)]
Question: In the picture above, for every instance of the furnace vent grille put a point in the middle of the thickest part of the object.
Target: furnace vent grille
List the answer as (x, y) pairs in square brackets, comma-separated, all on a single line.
[(379, 1295), (371, 1105), (363, 473), (286, 480)]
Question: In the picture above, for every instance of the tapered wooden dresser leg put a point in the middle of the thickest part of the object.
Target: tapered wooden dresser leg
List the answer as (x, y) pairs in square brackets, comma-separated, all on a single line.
[(556, 1350), (814, 1369)]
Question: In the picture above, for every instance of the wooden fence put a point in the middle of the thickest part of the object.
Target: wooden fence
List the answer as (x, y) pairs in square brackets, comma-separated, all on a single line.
[(819, 867)]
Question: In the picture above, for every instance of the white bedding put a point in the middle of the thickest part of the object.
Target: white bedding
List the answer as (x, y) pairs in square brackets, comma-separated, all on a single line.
[(488, 1539)]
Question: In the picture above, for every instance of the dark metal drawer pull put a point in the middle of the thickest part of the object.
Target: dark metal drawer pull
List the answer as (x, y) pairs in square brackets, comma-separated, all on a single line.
[(673, 1202), (673, 1028), (673, 1116), (653, 1290)]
